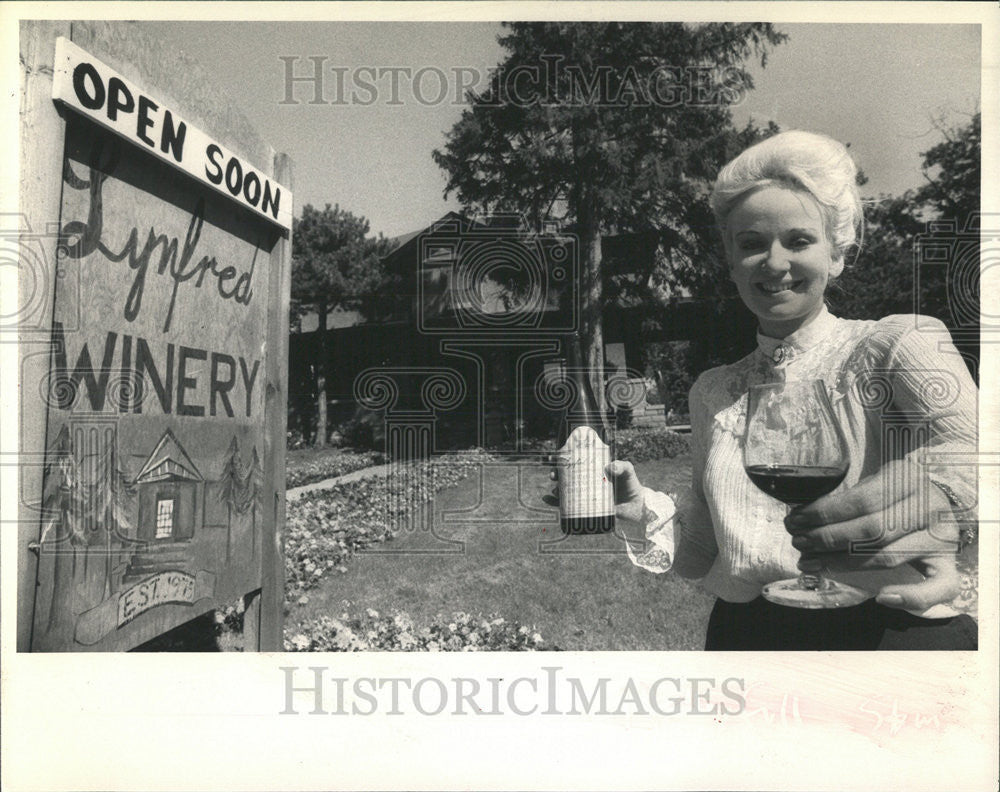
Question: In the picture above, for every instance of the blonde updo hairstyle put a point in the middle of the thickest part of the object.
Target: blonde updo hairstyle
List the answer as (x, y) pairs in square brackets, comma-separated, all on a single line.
[(803, 161)]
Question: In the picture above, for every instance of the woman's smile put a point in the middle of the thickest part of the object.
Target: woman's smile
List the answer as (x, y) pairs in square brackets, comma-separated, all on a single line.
[(775, 289)]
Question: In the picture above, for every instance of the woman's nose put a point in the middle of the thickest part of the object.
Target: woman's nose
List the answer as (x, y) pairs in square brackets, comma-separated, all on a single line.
[(776, 258)]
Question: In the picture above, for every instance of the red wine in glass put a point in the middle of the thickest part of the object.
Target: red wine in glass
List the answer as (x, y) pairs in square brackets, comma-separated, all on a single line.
[(795, 451), (796, 484)]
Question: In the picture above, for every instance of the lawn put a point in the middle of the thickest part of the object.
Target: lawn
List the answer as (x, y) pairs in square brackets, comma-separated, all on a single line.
[(489, 545)]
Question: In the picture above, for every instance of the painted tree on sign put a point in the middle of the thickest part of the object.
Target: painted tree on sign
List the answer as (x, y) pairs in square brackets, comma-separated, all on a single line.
[(252, 488), (231, 492)]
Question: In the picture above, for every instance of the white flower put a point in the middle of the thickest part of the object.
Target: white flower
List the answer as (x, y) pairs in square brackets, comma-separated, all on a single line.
[(300, 642), (372, 613)]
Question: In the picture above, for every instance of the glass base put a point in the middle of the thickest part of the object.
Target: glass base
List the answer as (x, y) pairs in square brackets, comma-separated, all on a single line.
[(795, 593)]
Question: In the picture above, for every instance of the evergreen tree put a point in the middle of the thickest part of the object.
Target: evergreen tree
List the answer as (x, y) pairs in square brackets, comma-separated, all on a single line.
[(608, 127)]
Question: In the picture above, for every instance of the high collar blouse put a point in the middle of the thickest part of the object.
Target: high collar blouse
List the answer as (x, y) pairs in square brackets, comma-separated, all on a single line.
[(899, 389)]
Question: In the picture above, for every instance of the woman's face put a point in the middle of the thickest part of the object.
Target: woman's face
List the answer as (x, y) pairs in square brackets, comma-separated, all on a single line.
[(780, 257)]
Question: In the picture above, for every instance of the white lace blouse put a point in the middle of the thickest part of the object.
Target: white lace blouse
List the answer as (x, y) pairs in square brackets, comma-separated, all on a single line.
[(899, 389)]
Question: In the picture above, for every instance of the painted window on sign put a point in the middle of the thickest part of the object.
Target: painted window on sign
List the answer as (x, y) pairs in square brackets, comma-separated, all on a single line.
[(164, 518)]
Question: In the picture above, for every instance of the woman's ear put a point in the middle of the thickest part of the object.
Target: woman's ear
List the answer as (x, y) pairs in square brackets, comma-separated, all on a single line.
[(836, 263)]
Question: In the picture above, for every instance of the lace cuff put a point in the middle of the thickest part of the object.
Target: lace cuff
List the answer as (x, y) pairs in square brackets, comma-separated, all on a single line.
[(656, 554)]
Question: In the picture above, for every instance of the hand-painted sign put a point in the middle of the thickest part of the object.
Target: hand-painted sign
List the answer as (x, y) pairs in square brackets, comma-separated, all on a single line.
[(97, 91), (153, 485)]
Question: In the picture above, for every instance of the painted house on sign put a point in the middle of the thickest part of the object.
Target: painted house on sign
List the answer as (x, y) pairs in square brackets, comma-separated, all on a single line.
[(171, 494)]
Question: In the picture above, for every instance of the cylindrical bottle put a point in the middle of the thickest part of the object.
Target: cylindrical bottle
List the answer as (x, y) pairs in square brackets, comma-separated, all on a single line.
[(586, 497)]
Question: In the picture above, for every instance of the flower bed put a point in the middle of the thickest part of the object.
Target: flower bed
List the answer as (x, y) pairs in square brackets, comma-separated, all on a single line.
[(396, 632), (299, 472), (325, 528)]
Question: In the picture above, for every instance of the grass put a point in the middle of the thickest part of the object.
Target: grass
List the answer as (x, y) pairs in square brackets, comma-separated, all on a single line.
[(580, 593)]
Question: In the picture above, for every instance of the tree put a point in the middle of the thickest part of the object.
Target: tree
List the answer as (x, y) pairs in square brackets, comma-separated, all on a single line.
[(335, 264), (952, 169), (881, 280), (610, 127)]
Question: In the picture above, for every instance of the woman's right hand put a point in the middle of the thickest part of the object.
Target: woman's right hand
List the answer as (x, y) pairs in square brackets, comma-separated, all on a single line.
[(628, 490)]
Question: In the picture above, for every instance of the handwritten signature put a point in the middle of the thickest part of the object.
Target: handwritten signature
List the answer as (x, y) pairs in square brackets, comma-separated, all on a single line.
[(88, 238), (880, 714)]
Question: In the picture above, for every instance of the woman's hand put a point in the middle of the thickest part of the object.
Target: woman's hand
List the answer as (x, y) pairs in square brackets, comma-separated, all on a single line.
[(628, 491), (629, 500), (860, 528), (630, 503)]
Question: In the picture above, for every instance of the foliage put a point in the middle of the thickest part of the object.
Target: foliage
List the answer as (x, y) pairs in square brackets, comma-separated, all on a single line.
[(879, 281), (397, 632), (335, 264), (952, 169), (885, 275), (671, 364), (591, 140), (338, 462), (326, 527), (364, 430), (641, 445)]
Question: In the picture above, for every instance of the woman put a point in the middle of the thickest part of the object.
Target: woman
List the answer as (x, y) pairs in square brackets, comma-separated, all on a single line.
[(789, 212)]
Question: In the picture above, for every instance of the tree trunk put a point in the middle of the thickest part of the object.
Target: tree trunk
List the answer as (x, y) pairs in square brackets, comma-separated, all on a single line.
[(320, 440), (592, 301)]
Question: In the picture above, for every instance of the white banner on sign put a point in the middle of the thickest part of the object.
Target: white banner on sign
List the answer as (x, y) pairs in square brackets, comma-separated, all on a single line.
[(94, 89)]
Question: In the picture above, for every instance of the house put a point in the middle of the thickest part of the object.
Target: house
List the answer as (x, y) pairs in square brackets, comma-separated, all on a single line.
[(494, 301)]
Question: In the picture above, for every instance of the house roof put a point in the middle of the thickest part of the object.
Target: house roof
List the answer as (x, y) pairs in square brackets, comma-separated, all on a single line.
[(168, 459)]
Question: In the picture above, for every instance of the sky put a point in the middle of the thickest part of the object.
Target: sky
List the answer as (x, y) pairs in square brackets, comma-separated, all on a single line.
[(878, 88)]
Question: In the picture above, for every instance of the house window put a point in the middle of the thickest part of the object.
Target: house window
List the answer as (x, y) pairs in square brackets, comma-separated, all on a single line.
[(164, 518)]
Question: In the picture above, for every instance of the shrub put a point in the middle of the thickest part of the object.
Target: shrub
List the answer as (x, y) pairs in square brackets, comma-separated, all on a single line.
[(641, 445), (365, 430), (396, 632)]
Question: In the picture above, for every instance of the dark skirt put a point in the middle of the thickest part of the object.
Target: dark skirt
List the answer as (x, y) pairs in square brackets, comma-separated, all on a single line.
[(759, 625)]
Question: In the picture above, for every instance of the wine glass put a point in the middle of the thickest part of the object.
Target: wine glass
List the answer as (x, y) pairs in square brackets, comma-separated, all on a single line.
[(795, 452)]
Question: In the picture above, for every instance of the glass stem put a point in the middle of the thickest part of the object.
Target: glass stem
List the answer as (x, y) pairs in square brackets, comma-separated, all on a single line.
[(811, 581), (811, 574)]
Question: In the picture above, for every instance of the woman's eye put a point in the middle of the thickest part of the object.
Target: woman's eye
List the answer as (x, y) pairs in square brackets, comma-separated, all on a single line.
[(798, 243)]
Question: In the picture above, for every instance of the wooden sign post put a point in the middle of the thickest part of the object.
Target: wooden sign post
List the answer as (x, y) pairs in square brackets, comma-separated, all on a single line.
[(153, 379)]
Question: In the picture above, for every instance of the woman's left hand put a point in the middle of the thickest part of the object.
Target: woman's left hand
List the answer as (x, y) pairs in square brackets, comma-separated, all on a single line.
[(862, 528)]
